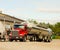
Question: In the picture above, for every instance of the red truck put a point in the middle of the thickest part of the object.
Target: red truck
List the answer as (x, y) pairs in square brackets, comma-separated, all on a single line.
[(19, 33)]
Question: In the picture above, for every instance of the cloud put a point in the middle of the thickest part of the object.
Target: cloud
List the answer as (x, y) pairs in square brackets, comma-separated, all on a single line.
[(47, 6), (49, 10)]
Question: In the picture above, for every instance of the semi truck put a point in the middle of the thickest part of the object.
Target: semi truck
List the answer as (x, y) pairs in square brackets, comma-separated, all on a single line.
[(34, 33)]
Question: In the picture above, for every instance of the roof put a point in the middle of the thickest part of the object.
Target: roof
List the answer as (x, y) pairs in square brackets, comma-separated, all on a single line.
[(9, 18)]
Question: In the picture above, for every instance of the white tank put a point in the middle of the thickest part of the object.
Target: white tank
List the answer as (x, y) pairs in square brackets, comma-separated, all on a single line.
[(2, 29)]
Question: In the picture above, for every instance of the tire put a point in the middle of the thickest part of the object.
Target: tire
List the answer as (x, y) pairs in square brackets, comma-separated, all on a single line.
[(16, 40), (10, 40), (35, 38), (45, 39), (31, 38), (40, 38), (2, 40), (21, 40), (49, 40), (24, 38)]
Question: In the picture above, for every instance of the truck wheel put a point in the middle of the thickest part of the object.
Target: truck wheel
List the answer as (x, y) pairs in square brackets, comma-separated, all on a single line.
[(24, 39), (31, 38), (35, 38), (45, 39), (16, 40), (41, 38), (2, 40), (50, 39), (10, 40)]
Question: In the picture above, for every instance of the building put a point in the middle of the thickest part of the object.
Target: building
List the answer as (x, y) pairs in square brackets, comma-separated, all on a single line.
[(8, 21)]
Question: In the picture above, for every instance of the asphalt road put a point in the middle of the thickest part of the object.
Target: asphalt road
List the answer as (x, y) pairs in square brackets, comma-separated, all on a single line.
[(54, 45)]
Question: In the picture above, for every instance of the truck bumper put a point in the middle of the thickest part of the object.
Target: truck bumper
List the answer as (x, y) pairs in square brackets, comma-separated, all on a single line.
[(16, 37)]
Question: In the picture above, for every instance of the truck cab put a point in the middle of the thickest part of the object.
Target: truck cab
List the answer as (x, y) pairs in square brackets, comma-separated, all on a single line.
[(19, 32)]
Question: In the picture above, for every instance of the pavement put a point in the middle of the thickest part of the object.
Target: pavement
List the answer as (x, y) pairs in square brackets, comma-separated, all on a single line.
[(54, 45)]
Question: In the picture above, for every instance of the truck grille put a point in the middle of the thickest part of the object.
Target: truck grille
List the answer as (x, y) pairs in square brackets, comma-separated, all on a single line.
[(14, 33)]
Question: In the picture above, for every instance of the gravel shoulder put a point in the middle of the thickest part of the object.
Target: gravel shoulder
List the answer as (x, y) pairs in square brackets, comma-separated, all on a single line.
[(54, 45)]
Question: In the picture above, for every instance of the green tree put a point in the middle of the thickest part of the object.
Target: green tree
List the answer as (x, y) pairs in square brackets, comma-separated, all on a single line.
[(57, 28)]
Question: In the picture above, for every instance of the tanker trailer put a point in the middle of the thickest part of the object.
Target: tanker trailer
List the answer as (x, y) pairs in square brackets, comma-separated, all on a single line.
[(39, 33)]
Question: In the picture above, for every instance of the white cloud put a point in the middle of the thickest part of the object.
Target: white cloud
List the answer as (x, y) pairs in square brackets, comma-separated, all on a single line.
[(51, 20), (49, 10)]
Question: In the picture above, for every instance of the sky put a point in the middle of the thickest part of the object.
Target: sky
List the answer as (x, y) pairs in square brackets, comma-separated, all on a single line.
[(47, 11)]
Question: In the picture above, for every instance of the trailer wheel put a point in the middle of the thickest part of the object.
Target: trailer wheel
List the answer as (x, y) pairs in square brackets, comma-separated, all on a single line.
[(35, 38), (41, 38), (31, 38), (45, 39), (50, 39), (24, 38)]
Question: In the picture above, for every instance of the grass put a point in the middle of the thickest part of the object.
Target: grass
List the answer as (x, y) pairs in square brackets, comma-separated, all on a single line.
[(55, 37)]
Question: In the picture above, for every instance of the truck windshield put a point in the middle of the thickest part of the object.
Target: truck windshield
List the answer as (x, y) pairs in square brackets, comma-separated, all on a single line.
[(19, 26)]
